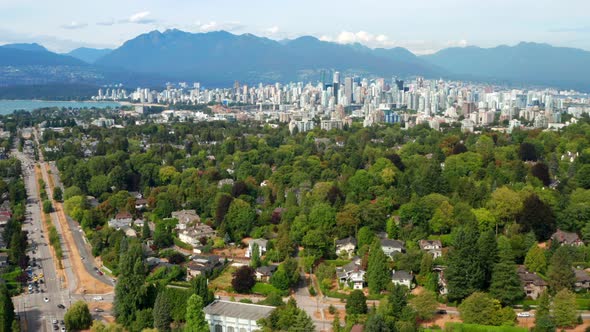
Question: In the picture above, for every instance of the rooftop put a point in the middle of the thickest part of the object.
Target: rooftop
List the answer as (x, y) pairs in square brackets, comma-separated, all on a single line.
[(238, 310)]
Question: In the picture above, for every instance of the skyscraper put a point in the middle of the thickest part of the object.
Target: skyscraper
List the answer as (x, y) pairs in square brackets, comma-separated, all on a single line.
[(336, 86), (348, 89)]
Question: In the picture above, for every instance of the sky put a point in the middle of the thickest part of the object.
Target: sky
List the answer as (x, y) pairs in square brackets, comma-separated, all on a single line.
[(422, 26)]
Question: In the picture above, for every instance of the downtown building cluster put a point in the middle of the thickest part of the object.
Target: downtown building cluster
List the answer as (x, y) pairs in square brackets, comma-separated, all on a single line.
[(335, 104)]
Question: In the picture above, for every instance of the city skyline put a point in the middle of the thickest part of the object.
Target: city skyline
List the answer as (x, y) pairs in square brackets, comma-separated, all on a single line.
[(422, 27)]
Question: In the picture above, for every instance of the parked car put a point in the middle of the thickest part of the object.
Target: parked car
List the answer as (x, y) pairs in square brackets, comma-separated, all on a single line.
[(524, 314), (46, 299), (98, 298), (98, 310), (61, 306)]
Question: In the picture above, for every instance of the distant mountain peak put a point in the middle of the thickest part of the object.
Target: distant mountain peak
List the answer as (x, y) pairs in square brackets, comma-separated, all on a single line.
[(31, 47)]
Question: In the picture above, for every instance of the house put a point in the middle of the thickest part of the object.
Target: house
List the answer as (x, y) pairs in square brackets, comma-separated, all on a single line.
[(264, 273), (392, 247), (567, 238), (141, 204), (194, 234), (226, 316), (345, 247), (202, 265), (135, 194), (433, 247), (185, 217), (533, 284), (582, 280), (352, 274), (402, 278), (357, 328), (262, 243), (121, 220), (3, 259)]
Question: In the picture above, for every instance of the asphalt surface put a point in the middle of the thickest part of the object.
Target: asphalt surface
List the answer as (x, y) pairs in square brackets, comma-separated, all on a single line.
[(32, 308)]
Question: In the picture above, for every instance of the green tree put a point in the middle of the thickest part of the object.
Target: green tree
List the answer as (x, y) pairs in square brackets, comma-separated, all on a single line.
[(356, 304), (506, 285), (130, 291), (487, 251), (376, 323), (378, 273), (199, 286), (480, 308), (336, 323), (78, 317), (145, 230), (537, 216), (464, 273), (162, 235), (6, 309), (57, 194), (560, 273), (162, 312), (506, 205), (424, 304), (255, 260), (535, 260), (195, 318), (565, 312), (240, 219), (243, 279), (543, 320)]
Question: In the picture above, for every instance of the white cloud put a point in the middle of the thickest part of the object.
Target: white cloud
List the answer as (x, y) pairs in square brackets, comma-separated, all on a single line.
[(140, 18), (215, 26), (74, 25), (381, 40), (273, 30), (363, 37)]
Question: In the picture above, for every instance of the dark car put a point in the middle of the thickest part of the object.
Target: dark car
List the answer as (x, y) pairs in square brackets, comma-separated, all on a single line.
[(98, 310), (61, 306), (55, 327), (441, 312)]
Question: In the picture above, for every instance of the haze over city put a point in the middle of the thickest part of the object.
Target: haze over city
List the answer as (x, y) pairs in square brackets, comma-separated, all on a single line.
[(422, 26)]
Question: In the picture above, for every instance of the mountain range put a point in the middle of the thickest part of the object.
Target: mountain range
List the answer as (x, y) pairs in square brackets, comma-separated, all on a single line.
[(220, 58)]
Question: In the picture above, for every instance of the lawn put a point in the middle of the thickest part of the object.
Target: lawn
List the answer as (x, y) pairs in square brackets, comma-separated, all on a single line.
[(460, 327), (223, 282), (265, 289)]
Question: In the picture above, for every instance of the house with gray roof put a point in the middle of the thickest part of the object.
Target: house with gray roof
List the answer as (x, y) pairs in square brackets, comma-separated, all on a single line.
[(225, 316), (392, 247), (402, 278)]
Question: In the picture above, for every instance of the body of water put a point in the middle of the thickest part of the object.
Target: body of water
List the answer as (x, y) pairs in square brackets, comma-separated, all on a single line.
[(9, 106)]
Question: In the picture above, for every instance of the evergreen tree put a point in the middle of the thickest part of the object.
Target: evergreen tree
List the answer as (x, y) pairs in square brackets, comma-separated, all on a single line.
[(200, 288), (464, 273), (162, 312), (6, 309), (195, 318), (376, 323), (397, 300), (565, 312), (543, 320), (560, 273), (506, 285), (378, 273), (130, 291), (255, 261), (487, 248), (145, 231), (537, 216)]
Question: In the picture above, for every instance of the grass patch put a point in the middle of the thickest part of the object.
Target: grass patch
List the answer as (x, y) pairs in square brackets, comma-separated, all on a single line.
[(265, 289), (336, 295), (182, 245), (223, 281), (336, 262), (461, 327)]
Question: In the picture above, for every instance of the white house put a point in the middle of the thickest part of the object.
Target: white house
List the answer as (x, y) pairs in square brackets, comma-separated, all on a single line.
[(433, 247), (391, 247), (262, 243), (402, 278), (352, 273), (185, 217), (121, 220), (225, 316), (346, 246)]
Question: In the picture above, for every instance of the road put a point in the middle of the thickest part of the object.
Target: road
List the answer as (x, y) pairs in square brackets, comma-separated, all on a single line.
[(79, 239), (35, 312)]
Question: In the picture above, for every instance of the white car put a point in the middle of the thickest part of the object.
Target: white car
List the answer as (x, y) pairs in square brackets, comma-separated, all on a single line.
[(46, 299), (524, 314), (98, 298)]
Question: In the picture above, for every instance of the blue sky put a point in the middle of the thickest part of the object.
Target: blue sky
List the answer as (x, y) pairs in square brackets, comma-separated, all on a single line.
[(423, 26)]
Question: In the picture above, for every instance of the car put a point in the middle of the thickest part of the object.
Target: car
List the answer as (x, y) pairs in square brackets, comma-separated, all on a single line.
[(441, 312), (95, 268), (98, 298), (61, 306), (46, 299), (524, 314), (61, 322), (63, 329), (54, 321), (55, 328), (100, 273), (98, 310)]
